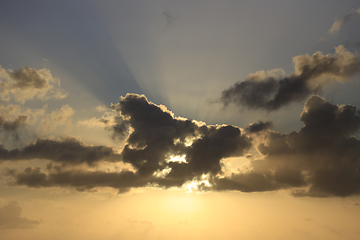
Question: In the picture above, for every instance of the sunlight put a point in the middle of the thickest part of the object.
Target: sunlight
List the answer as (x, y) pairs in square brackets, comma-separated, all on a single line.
[(194, 185), (163, 173), (177, 158), (189, 142)]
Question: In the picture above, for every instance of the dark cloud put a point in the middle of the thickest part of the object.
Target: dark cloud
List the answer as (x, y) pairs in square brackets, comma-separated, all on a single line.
[(69, 150), (323, 156), (156, 136), (82, 180), (27, 78), (13, 125), (259, 126), (10, 217), (312, 73), (320, 160), (120, 128)]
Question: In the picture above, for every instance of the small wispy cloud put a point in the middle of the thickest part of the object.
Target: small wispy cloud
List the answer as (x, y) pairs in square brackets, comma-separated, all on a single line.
[(170, 18), (339, 23), (10, 217)]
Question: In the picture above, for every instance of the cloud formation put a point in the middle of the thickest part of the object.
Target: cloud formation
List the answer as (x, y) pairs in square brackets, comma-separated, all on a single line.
[(60, 117), (69, 150), (323, 157), (24, 84), (156, 134), (10, 217), (312, 74), (319, 160), (156, 137), (336, 26), (80, 179), (13, 125), (259, 126), (27, 83)]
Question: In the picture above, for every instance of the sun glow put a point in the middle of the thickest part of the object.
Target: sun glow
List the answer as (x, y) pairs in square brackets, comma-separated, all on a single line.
[(189, 142), (163, 173), (194, 185), (177, 158)]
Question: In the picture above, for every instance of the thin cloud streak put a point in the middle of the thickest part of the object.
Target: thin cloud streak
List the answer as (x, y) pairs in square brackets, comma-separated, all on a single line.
[(337, 25), (69, 151)]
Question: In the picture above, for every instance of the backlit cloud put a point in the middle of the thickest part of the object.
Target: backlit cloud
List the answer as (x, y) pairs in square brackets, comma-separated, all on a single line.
[(323, 157), (312, 74), (155, 135), (320, 160)]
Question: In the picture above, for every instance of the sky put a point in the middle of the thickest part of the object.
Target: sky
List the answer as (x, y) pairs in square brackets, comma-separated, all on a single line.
[(166, 119)]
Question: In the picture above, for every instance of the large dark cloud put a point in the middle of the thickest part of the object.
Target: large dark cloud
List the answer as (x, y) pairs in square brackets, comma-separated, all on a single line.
[(323, 156), (69, 150), (10, 217), (156, 136), (320, 160), (312, 73)]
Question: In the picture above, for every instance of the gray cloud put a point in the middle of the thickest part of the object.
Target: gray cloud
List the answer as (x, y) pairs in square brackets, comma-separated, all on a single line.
[(69, 150), (312, 73), (27, 78), (320, 160), (27, 83), (156, 136), (10, 217), (14, 117), (259, 126), (323, 156), (13, 125), (82, 180)]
